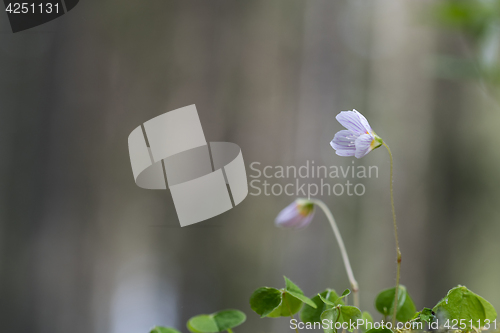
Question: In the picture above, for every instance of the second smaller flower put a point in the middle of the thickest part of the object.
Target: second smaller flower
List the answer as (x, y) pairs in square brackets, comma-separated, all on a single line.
[(296, 215)]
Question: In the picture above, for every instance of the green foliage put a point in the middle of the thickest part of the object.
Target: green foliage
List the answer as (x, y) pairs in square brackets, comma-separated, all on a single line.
[(332, 315), (335, 311), (264, 300), (295, 291), (479, 21), (471, 16), (463, 304), (346, 293), (424, 316), (216, 322), (310, 314), (341, 314), (367, 317), (159, 329), (272, 302), (460, 304), (379, 330), (384, 303), (405, 307), (289, 306)]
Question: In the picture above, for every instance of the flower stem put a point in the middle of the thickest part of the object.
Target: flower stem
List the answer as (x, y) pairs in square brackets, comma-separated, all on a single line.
[(290, 309), (398, 252), (345, 257), (229, 330)]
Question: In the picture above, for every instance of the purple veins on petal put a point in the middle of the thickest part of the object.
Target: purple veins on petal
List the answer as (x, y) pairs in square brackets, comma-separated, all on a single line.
[(344, 143), (359, 138), (354, 121), (363, 145)]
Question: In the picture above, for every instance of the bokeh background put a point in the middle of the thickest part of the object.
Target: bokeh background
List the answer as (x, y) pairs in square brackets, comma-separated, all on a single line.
[(83, 249)]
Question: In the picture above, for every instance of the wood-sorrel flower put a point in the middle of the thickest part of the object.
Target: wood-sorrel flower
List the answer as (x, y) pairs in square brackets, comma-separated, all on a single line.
[(296, 215), (359, 139), (300, 213)]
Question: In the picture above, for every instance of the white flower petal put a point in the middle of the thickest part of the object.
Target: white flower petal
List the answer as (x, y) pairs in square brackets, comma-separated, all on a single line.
[(363, 145), (354, 121)]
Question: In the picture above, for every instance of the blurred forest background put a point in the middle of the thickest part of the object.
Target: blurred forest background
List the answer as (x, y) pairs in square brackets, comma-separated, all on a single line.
[(83, 249)]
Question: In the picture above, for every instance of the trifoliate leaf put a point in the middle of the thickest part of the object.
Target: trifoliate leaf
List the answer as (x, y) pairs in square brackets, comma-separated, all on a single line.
[(337, 301), (313, 315), (463, 304), (159, 329), (216, 322), (341, 314)]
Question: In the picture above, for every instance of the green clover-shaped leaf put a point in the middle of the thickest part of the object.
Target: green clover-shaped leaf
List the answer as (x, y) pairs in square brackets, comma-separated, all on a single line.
[(289, 306), (385, 304), (463, 304), (272, 302), (331, 316), (264, 300), (313, 315), (216, 322), (341, 314), (295, 291)]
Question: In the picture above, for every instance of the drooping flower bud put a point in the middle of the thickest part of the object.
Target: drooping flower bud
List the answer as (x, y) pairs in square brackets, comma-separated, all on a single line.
[(296, 215)]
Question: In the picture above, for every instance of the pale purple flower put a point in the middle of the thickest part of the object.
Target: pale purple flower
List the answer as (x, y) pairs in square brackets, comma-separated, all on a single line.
[(296, 215), (358, 139)]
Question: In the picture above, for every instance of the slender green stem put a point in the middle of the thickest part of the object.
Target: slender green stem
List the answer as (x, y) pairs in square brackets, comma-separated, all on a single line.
[(289, 309), (345, 257), (229, 330), (398, 252)]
